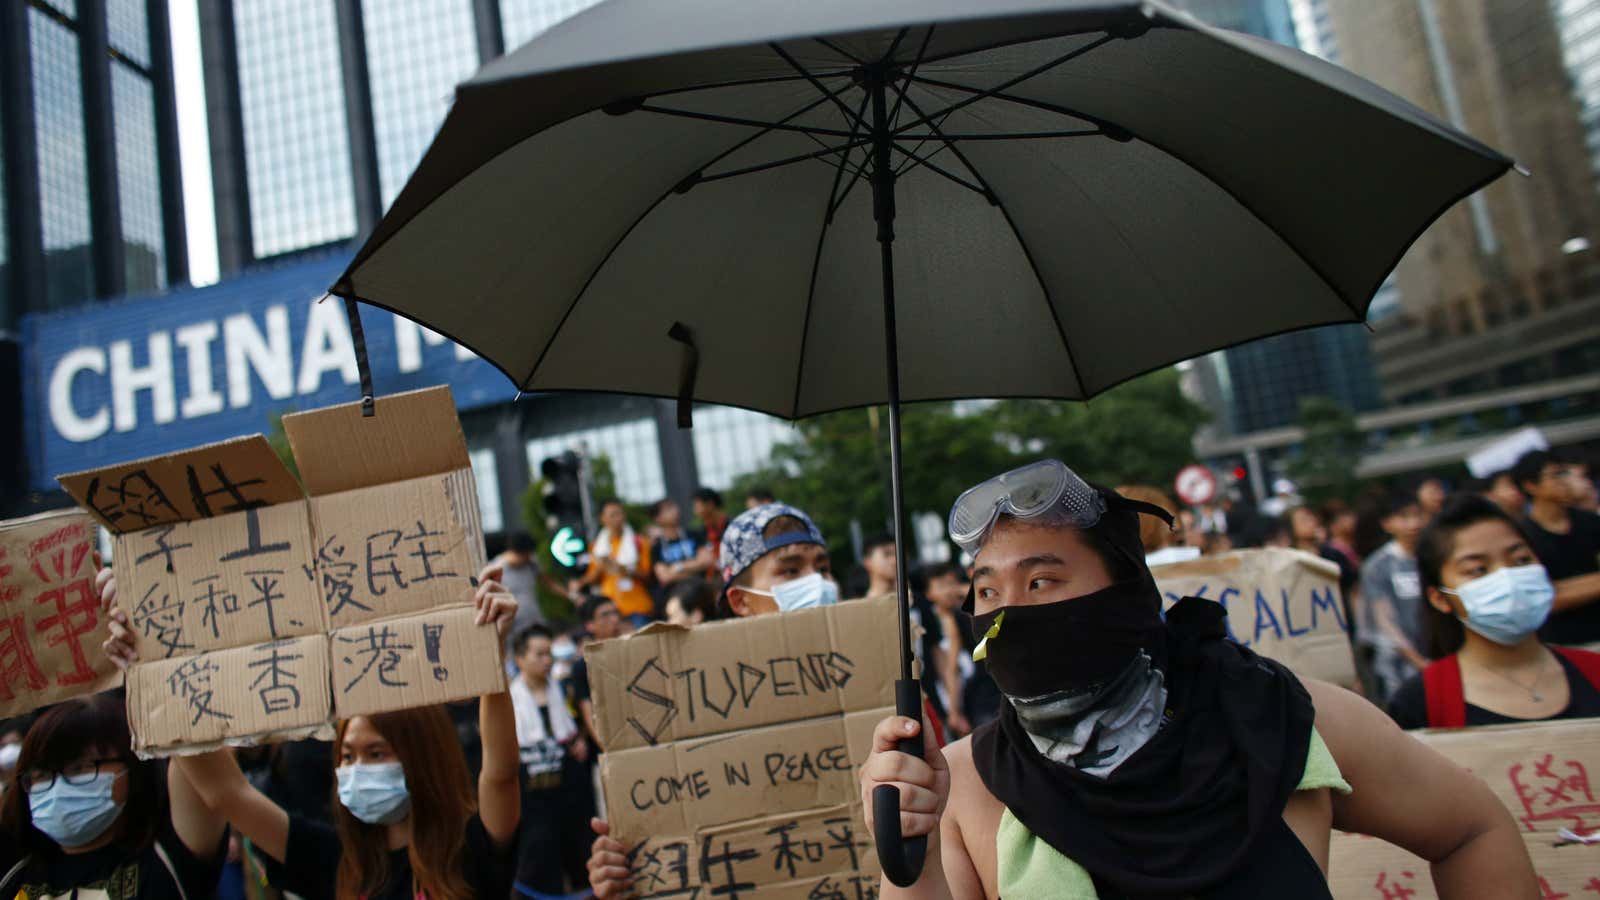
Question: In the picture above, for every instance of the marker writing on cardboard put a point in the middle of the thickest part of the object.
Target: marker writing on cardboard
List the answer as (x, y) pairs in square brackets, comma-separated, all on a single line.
[(1280, 623), (724, 689), (719, 866), (46, 596), (778, 767)]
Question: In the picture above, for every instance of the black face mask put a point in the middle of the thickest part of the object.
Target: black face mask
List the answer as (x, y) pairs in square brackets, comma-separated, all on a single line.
[(1076, 644)]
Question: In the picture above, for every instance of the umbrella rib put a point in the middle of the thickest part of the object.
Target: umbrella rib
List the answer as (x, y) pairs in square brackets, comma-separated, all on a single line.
[(805, 73), (1002, 136), (1010, 82), (840, 50), (835, 198), (751, 170), (1027, 252), (736, 120), (915, 161), (894, 112), (1117, 132), (1111, 129)]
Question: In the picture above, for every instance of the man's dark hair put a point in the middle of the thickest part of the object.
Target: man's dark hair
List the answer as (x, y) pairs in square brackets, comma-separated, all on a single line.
[(872, 543), (693, 594), (1442, 632), (1400, 501), (591, 607), (1263, 530), (611, 501), (946, 569), (520, 642), (656, 507), (521, 542), (1529, 468), (707, 495), (761, 494)]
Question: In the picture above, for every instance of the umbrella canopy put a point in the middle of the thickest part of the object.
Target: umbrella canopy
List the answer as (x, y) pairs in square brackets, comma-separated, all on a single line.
[(1085, 192)]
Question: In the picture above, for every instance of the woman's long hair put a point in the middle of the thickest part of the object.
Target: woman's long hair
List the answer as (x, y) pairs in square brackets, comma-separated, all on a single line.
[(442, 799), (57, 739)]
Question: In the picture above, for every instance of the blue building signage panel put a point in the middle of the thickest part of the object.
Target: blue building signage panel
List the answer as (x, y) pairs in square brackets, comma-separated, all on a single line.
[(111, 382)]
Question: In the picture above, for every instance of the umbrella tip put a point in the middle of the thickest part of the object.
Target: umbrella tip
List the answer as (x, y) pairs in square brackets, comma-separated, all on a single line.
[(1521, 170)]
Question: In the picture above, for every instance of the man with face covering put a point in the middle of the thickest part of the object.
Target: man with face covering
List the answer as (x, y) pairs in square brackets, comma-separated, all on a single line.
[(1137, 757)]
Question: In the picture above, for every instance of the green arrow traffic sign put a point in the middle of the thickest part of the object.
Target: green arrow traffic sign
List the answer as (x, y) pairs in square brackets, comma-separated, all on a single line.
[(566, 547)]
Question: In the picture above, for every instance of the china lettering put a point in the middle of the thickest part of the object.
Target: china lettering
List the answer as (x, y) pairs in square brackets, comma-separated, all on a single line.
[(724, 690), (776, 767), (199, 684), (378, 657)]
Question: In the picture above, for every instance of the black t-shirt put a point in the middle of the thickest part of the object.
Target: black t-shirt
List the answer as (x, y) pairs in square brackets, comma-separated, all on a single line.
[(311, 864), (578, 681), (1564, 556), (1409, 708), (115, 873)]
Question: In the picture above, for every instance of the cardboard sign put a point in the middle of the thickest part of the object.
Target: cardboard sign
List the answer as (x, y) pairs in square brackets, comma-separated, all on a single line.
[(1546, 773), (50, 623), (666, 684), (732, 750), (262, 613), (1284, 604)]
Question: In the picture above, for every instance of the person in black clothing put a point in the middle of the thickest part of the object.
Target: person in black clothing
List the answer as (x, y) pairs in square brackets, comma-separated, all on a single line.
[(407, 823), (601, 622), (979, 699), (83, 816), (1486, 597), (1567, 541), (557, 800)]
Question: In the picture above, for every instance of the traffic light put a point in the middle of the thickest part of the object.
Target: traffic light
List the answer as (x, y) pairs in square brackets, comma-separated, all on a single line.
[(565, 508), (563, 493)]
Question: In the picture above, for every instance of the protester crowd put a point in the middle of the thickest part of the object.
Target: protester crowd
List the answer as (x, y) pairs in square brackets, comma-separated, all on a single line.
[(1469, 604)]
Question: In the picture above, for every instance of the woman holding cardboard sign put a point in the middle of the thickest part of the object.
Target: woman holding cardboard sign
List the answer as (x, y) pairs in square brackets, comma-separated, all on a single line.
[(408, 825), (1487, 598)]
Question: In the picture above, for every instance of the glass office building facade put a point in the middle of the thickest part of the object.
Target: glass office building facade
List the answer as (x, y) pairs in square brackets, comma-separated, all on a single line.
[(89, 167)]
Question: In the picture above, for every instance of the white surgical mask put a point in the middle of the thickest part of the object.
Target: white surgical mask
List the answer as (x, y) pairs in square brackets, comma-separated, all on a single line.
[(802, 593), (375, 793), (9, 754), (1507, 604), (75, 814)]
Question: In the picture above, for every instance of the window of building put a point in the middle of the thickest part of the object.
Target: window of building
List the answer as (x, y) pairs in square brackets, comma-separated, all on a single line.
[(417, 52), (731, 442), (296, 132), (138, 178), (63, 160), (633, 449), (488, 485), (128, 30)]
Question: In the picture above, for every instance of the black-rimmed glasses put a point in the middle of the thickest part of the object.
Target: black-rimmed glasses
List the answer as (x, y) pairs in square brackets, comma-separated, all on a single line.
[(78, 773)]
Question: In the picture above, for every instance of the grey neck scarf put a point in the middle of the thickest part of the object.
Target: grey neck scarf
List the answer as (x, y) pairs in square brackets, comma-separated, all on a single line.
[(1096, 729)]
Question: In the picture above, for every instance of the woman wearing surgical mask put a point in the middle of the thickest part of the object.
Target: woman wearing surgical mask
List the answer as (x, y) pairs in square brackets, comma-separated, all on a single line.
[(407, 823), (83, 816), (1487, 597)]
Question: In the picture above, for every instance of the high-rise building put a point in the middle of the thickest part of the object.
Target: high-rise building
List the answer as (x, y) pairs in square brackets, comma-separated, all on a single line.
[(1313, 28), (1504, 290), (318, 111), (1259, 385), (92, 200)]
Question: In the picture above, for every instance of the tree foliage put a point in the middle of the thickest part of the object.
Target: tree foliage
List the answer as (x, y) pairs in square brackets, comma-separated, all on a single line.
[(1326, 465), (838, 471)]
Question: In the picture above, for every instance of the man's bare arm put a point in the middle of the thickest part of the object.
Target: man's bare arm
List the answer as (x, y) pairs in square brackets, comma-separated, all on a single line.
[(1410, 795), (1579, 590)]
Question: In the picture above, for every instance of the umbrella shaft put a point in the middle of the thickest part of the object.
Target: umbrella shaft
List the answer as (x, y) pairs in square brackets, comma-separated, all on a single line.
[(883, 212)]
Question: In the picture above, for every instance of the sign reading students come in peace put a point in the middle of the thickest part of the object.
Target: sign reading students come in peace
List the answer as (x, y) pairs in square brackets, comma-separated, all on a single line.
[(262, 612)]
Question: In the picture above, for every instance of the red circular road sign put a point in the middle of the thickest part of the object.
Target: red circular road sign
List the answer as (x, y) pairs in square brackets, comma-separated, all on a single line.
[(1196, 485)]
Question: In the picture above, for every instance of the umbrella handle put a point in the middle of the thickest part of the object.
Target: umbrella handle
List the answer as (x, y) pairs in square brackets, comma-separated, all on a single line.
[(901, 858)]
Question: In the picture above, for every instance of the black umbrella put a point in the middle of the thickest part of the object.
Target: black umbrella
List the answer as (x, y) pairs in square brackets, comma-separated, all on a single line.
[(689, 194)]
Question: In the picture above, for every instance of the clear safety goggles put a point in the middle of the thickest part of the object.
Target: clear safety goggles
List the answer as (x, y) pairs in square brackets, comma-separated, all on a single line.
[(1023, 493)]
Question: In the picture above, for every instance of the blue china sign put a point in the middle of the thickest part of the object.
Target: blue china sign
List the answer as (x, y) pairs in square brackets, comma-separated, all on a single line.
[(109, 382)]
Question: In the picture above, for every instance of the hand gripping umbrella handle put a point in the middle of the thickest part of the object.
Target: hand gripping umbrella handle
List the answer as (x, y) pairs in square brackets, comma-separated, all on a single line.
[(900, 857)]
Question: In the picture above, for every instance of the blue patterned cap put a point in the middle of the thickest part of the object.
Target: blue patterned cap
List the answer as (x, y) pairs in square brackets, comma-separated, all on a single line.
[(743, 543)]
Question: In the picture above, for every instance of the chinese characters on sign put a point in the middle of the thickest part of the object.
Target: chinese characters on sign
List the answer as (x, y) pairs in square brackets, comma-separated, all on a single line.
[(262, 611), (1540, 771), (50, 622)]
